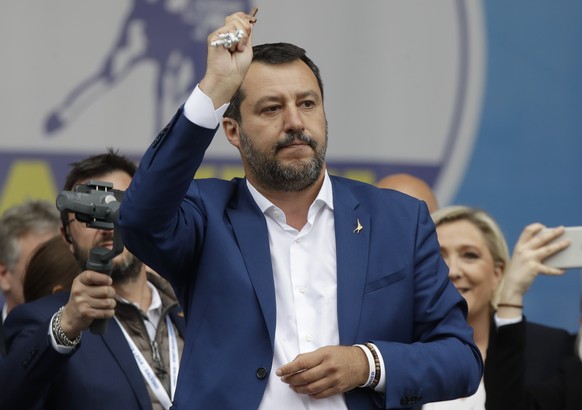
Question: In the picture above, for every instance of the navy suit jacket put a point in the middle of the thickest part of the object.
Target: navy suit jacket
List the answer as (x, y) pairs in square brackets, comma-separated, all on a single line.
[(210, 240), (100, 374)]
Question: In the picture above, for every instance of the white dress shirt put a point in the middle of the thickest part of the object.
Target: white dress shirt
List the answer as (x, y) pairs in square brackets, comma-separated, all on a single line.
[(305, 291)]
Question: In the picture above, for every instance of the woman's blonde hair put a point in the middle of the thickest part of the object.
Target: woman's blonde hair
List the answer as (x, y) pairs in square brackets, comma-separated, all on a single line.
[(491, 231)]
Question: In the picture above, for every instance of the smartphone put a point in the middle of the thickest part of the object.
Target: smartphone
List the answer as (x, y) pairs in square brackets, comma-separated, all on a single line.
[(571, 257)]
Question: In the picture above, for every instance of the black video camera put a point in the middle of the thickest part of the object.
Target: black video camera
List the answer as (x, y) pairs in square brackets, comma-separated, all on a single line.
[(96, 204)]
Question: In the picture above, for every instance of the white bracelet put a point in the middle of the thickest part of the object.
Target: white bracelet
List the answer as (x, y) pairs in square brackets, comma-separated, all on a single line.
[(371, 365)]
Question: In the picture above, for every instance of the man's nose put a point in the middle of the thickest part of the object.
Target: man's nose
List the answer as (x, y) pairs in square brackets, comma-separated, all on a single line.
[(293, 119)]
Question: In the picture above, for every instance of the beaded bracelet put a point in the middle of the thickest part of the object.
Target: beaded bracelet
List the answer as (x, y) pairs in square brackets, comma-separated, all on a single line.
[(376, 364), (59, 334)]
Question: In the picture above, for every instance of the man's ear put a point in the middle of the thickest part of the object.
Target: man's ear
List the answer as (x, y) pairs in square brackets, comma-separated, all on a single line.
[(231, 130)]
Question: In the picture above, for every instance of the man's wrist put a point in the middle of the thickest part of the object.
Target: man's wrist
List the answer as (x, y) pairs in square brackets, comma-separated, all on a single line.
[(59, 334), (199, 110), (377, 365), (371, 366)]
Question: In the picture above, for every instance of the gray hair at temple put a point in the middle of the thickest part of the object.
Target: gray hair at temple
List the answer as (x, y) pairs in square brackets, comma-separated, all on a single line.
[(33, 216)]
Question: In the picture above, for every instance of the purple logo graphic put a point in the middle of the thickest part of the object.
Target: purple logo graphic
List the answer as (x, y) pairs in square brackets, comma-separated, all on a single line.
[(172, 35)]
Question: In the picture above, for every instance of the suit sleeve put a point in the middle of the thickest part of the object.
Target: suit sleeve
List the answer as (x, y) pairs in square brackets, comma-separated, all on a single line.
[(26, 373), (156, 223)]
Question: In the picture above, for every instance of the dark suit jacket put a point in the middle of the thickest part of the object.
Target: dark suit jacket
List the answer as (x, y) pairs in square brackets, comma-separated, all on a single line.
[(509, 385), (100, 374), (545, 349), (210, 239)]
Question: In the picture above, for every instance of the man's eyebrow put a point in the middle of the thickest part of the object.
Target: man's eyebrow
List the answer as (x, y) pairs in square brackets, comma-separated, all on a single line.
[(309, 93), (275, 98), (266, 99)]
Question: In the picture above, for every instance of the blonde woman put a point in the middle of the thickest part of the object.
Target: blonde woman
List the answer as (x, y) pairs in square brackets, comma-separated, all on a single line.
[(476, 252)]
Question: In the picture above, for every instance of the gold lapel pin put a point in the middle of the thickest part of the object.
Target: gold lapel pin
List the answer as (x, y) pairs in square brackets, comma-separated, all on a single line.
[(359, 226)]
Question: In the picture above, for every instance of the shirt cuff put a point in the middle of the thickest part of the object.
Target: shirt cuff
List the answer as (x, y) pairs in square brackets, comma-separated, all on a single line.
[(199, 109), (502, 321)]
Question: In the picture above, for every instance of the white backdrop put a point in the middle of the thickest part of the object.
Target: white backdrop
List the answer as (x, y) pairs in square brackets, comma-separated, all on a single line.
[(403, 79)]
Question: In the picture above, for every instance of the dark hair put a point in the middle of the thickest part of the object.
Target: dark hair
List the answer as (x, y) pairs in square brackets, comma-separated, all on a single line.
[(52, 264), (272, 53), (95, 166)]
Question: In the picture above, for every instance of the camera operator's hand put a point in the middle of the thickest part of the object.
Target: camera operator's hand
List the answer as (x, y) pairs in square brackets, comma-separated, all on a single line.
[(92, 297)]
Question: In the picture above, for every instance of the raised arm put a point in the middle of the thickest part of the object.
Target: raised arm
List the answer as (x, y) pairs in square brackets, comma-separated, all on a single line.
[(506, 363), (153, 208)]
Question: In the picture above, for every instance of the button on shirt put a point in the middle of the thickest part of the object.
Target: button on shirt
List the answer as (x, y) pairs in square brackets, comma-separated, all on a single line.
[(304, 273)]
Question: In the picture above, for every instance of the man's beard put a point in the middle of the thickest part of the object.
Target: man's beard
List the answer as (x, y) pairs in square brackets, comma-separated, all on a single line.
[(271, 173), (125, 269)]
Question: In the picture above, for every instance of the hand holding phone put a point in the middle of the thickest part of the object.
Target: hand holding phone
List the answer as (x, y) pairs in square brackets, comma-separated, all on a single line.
[(570, 257)]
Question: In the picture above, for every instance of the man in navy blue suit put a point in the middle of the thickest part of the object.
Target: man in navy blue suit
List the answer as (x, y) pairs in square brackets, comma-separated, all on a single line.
[(301, 290), (53, 362)]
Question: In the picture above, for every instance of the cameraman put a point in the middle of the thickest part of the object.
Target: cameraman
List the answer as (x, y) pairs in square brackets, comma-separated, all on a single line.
[(134, 365)]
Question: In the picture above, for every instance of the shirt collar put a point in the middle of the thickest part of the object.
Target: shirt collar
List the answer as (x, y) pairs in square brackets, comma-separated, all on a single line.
[(324, 196), (156, 303)]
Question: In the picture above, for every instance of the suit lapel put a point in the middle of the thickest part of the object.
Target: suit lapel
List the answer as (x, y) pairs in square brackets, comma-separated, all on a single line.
[(352, 236), (119, 348), (251, 233)]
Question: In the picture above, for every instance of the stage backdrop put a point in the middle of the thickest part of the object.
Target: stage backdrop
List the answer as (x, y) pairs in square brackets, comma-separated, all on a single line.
[(481, 100)]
